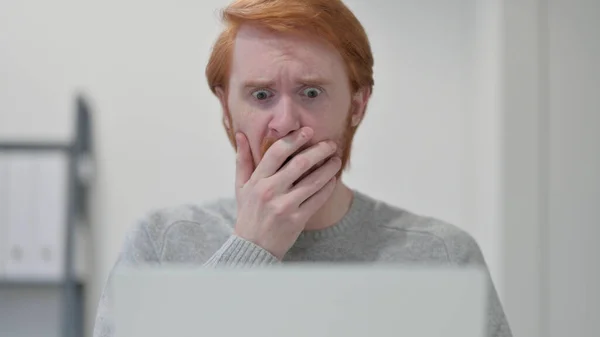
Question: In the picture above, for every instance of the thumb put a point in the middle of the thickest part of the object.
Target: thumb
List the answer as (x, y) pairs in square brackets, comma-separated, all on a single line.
[(244, 161)]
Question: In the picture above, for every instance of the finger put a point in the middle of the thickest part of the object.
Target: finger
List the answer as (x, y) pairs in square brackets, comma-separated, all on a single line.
[(314, 182), (244, 161), (301, 163), (317, 200), (277, 154)]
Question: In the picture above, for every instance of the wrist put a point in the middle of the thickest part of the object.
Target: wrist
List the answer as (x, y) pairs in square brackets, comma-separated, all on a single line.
[(237, 251), (271, 249)]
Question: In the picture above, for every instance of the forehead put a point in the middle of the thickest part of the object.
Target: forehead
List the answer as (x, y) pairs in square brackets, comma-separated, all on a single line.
[(262, 53)]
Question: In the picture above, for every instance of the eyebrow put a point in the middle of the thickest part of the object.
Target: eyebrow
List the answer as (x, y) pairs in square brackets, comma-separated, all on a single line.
[(258, 84), (308, 80)]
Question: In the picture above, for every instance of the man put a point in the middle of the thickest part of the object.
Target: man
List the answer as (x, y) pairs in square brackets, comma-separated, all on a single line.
[(294, 78)]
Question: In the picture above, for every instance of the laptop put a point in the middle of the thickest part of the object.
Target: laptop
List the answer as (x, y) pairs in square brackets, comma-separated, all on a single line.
[(299, 301)]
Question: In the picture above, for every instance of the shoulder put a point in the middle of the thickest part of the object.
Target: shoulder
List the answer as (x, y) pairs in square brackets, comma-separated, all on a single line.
[(459, 246), (145, 238), (216, 212)]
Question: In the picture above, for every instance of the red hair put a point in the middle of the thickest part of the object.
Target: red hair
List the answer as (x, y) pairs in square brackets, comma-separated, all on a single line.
[(331, 20)]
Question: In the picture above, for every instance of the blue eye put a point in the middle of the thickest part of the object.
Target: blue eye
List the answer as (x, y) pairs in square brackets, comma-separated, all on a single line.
[(262, 94), (311, 92)]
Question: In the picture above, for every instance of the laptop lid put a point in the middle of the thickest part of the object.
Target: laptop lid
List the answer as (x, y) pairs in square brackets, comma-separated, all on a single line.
[(299, 301)]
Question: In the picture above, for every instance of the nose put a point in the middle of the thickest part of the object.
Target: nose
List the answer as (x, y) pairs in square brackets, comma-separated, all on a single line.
[(285, 117)]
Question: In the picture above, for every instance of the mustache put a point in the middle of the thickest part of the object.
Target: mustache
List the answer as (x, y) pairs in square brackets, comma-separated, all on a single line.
[(266, 143)]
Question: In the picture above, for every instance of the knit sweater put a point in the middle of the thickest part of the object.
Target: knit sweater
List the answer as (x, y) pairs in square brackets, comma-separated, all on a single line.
[(371, 231)]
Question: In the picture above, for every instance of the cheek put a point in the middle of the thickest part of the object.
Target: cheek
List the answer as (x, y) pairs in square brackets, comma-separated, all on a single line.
[(244, 119), (253, 125), (330, 123)]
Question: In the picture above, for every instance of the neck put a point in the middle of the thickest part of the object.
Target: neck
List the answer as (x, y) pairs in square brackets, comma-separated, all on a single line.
[(333, 210)]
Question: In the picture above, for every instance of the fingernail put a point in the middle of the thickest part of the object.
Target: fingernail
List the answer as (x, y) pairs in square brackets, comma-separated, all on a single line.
[(306, 132), (336, 160)]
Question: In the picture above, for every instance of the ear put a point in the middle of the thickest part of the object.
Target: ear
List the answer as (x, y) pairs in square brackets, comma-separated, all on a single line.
[(359, 105), (222, 95)]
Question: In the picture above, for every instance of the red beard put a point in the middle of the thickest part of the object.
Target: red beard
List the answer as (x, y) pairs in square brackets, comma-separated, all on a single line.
[(343, 142)]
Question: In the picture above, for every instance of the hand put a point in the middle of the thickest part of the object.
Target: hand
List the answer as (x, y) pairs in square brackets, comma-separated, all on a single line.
[(273, 204)]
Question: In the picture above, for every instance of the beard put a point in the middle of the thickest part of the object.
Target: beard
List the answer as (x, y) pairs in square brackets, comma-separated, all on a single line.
[(343, 141)]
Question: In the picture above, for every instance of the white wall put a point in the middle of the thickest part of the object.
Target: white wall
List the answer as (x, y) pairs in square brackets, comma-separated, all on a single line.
[(571, 266), (430, 142), (522, 119), (551, 167)]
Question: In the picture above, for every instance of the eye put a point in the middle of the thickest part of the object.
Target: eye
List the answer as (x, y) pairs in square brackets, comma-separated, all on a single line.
[(262, 94), (312, 92)]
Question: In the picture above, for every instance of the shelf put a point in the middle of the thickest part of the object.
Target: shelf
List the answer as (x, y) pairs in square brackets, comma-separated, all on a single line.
[(29, 295), (81, 261), (34, 146), (19, 283)]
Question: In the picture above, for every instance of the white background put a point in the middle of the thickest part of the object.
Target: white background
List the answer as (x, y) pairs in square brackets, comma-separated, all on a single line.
[(477, 110)]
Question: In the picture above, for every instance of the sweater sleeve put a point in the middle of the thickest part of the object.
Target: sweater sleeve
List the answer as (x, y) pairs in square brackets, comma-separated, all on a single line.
[(463, 250), (138, 249), (238, 252)]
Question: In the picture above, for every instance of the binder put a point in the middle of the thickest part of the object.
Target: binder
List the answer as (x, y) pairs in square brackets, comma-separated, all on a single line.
[(19, 260), (3, 213), (49, 211), (35, 213)]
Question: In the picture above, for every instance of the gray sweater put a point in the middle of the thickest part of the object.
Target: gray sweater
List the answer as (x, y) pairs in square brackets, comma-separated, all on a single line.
[(371, 232)]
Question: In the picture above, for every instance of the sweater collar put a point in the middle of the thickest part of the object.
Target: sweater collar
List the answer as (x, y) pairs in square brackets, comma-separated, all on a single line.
[(354, 218)]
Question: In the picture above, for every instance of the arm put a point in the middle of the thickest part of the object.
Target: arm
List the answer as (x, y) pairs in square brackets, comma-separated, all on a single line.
[(138, 249), (239, 252), (273, 209), (464, 250)]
